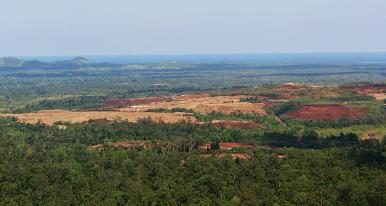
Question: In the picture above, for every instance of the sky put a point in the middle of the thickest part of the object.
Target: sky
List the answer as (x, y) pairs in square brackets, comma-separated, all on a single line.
[(127, 27)]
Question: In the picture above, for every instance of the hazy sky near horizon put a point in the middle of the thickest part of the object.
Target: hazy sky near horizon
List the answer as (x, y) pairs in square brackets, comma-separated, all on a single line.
[(112, 27)]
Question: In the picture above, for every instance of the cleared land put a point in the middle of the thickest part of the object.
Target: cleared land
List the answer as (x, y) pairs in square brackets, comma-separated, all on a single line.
[(132, 109), (203, 103), (326, 112), (51, 116), (117, 103), (376, 91), (135, 109)]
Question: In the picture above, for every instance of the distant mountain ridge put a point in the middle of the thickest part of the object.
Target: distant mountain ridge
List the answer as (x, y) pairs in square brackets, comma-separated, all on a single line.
[(74, 63), (10, 62)]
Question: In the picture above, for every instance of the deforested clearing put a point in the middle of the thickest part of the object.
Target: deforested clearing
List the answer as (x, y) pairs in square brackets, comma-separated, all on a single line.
[(204, 103), (51, 116), (327, 112)]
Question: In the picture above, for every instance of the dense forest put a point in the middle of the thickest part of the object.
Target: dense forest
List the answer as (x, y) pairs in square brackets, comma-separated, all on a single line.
[(45, 165)]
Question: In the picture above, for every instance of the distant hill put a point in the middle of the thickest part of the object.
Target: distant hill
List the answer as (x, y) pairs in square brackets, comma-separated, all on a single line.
[(10, 62), (33, 63), (75, 61)]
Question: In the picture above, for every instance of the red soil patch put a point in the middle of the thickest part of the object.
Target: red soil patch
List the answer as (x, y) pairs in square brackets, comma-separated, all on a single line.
[(365, 88), (118, 103), (242, 156), (267, 102), (376, 91), (326, 112)]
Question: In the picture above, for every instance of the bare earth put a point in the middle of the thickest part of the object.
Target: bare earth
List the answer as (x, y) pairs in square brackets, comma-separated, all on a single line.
[(378, 96), (204, 103), (326, 112), (51, 116)]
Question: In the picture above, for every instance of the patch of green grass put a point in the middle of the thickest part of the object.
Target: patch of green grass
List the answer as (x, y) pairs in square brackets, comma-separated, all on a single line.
[(363, 131)]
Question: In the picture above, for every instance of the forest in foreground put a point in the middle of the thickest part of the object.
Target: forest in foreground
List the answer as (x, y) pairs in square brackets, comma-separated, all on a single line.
[(45, 165)]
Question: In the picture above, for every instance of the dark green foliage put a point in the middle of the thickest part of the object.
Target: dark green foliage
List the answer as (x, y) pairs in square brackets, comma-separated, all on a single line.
[(81, 102), (370, 152), (7, 120), (215, 145), (309, 140), (269, 94), (282, 108), (43, 165), (350, 98), (250, 99)]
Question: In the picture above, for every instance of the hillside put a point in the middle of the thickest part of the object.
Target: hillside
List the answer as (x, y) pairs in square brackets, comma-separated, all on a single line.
[(10, 62)]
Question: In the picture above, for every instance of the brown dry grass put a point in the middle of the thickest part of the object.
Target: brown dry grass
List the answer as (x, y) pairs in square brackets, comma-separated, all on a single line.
[(204, 103), (378, 96), (51, 116)]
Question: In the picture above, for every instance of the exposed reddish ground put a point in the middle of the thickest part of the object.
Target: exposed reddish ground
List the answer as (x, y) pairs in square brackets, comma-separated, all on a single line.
[(326, 112), (365, 88), (376, 91), (118, 103), (243, 156)]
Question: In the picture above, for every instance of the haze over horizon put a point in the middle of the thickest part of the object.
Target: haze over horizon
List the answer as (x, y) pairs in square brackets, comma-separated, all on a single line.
[(118, 27)]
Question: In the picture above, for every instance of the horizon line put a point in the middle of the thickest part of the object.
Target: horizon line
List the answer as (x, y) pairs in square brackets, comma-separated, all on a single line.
[(205, 54)]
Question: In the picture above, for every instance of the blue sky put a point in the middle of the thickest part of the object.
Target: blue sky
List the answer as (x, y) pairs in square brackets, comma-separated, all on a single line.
[(113, 27)]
